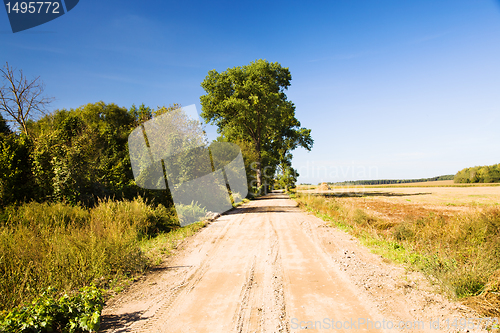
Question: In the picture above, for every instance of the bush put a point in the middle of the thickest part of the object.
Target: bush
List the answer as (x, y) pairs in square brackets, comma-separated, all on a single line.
[(190, 213), (80, 312), (402, 231)]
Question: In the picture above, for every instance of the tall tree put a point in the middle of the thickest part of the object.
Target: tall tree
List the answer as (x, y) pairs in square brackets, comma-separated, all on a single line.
[(20, 98), (249, 103), (4, 128)]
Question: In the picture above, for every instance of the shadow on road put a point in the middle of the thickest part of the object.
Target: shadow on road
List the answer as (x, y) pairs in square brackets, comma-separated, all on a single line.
[(264, 208), (119, 321)]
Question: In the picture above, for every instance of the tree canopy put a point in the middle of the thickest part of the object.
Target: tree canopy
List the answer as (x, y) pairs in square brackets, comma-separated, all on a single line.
[(479, 174), (249, 103), (76, 156)]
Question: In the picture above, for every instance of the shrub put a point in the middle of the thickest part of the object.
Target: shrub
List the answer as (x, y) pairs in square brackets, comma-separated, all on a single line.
[(192, 212), (80, 312)]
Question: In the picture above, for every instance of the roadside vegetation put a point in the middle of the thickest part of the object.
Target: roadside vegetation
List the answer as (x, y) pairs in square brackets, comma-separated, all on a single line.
[(460, 253), (53, 249)]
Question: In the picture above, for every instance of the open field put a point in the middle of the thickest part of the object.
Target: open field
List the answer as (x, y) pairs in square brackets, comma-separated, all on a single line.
[(450, 233), (431, 197), (437, 183)]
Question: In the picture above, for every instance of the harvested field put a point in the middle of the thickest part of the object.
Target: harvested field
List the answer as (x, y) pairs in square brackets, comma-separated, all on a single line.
[(450, 233), (440, 198)]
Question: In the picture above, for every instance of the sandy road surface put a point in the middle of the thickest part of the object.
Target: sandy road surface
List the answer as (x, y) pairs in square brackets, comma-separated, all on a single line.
[(268, 267)]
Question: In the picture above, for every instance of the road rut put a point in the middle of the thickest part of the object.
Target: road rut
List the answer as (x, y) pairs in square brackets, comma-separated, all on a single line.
[(269, 267)]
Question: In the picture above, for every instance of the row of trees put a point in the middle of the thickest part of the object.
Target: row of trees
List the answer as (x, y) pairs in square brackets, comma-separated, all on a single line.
[(479, 174), (393, 181), (81, 155), (75, 156)]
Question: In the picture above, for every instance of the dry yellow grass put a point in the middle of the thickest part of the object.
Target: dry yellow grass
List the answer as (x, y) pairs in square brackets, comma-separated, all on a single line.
[(474, 196), (451, 233)]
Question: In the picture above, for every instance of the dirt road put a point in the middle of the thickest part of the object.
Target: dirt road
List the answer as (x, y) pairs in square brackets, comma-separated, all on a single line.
[(268, 267)]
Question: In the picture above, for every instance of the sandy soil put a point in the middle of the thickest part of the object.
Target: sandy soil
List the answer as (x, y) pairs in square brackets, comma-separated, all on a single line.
[(269, 267)]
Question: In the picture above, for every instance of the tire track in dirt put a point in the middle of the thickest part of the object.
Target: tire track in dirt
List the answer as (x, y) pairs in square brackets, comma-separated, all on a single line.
[(259, 268), (217, 296), (155, 301), (194, 302), (264, 308)]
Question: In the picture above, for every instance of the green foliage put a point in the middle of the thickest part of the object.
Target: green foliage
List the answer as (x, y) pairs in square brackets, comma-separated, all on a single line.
[(479, 174), (287, 178), (81, 155), (249, 104), (79, 312), (141, 114), (15, 177), (4, 128), (59, 227), (77, 156), (192, 212)]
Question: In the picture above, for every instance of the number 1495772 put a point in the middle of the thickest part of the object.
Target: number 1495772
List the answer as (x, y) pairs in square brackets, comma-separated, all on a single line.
[(33, 7)]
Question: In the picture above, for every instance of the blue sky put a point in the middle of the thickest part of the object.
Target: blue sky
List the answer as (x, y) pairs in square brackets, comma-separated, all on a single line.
[(390, 89)]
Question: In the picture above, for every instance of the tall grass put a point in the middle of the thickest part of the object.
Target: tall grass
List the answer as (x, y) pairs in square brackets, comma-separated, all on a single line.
[(461, 253), (67, 247)]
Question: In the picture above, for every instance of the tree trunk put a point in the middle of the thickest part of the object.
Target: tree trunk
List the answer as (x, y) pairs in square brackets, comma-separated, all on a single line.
[(258, 173), (258, 165)]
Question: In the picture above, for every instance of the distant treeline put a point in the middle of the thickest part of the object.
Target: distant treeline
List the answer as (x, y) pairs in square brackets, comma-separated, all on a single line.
[(479, 174), (392, 181)]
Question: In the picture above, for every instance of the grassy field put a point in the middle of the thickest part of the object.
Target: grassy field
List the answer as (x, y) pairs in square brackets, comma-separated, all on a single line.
[(63, 247), (452, 234)]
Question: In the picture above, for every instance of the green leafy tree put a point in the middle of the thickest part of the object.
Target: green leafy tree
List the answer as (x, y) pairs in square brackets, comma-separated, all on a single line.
[(287, 177), (81, 155), (15, 169), (4, 128), (249, 103), (288, 139), (141, 114)]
